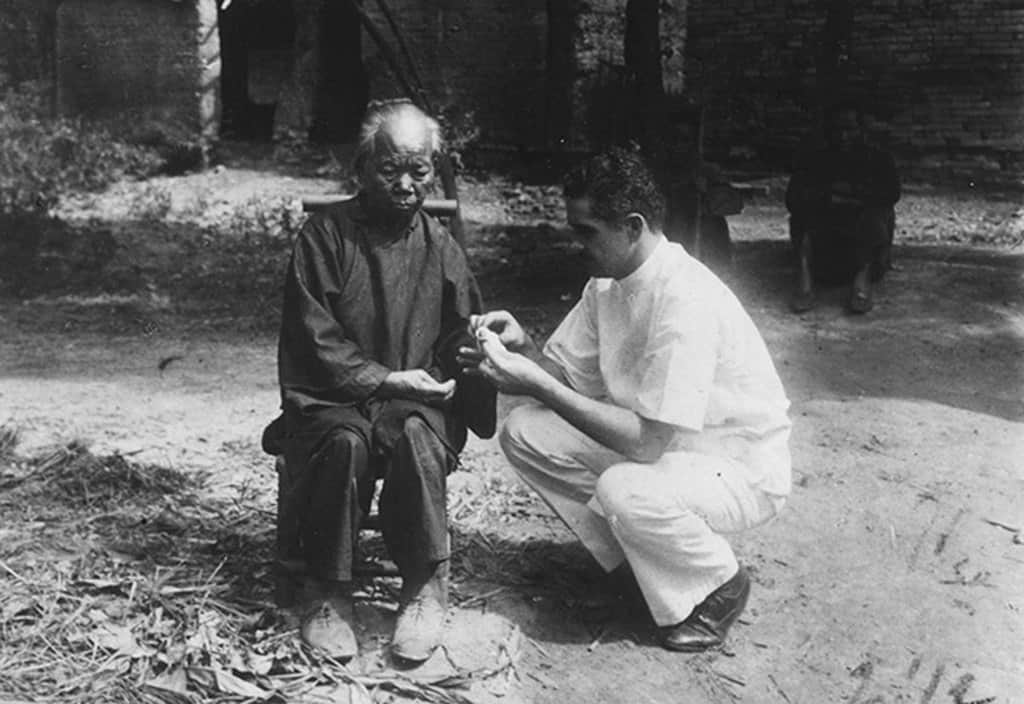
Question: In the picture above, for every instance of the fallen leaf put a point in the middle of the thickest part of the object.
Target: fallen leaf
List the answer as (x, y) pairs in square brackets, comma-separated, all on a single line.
[(174, 681), (120, 640), (226, 683), (16, 606), (259, 664)]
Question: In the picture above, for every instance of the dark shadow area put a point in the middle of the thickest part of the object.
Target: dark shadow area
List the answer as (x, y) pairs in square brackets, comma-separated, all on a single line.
[(554, 591), (946, 328), (260, 48), (255, 39), (111, 278)]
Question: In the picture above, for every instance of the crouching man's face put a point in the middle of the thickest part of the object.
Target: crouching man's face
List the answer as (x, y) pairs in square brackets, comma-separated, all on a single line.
[(398, 177), (607, 247)]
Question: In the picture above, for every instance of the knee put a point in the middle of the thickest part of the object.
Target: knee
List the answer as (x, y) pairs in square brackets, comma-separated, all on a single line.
[(419, 435), (628, 495), (428, 453), (342, 450), (345, 442), (516, 437), (617, 492), (875, 223)]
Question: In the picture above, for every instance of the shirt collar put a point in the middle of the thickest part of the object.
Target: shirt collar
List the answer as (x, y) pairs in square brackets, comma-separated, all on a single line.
[(647, 272)]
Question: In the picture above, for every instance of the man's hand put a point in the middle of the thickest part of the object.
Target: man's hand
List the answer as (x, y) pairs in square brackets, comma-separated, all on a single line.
[(510, 372), (510, 333), (418, 385)]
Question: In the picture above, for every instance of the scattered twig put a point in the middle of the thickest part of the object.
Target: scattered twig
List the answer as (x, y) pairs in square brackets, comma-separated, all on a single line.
[(729, 678), (779, 689), (1004, 526), (539, 648), (11, 572), (473, 601), (940, 544)]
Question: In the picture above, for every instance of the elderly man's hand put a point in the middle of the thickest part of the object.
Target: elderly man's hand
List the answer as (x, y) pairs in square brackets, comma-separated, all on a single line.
[(510, 372), (418, 385)]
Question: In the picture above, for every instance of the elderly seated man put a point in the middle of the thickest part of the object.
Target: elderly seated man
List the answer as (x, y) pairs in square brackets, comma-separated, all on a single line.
[(658, 423), (377, 298)]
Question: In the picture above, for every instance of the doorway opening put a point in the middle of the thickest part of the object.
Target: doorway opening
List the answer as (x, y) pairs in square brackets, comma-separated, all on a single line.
[(262, 41)]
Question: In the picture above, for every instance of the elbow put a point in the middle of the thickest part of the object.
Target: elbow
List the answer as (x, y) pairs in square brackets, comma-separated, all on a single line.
[(645, 454), (647, 450), (652, 442)]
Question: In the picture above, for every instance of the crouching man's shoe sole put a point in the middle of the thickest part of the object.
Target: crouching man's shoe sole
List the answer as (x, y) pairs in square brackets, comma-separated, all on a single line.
[(708, 625)]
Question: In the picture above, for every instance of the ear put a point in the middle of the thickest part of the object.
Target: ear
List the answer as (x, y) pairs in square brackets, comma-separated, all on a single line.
[(635, 225)]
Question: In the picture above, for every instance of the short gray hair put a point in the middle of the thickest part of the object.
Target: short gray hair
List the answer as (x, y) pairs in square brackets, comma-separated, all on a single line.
[(378, 114)]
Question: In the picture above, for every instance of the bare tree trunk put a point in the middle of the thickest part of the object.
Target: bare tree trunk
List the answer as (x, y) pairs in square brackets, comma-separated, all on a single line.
[(834, 57), (643, 67), (560, 62)]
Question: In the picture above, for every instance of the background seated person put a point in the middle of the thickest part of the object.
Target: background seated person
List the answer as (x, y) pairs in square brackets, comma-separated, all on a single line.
[(840, 199)]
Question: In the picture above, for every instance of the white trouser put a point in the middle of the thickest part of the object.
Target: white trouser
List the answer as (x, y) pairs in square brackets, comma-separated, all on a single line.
[(665, 518)]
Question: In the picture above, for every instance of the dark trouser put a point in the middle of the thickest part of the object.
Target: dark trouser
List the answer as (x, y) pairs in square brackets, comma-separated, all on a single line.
[(333, 457), (845, 238)]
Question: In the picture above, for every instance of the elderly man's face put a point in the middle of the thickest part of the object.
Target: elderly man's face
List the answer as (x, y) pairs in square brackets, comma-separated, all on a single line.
[(396, 180)]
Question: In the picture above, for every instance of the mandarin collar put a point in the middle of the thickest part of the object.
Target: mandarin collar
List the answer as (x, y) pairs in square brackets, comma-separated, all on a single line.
[(647, 272)]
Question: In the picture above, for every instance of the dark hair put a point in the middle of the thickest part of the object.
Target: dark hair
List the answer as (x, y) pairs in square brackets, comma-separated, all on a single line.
[(378, 114), (617, 182)]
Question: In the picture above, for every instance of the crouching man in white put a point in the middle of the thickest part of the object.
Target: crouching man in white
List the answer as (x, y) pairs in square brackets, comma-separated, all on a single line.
[(660, 422)]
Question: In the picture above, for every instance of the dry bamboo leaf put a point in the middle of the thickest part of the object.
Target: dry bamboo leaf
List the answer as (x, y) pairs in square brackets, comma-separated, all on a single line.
[(174, 681), (101, 585), (120, 639), (226, 683)]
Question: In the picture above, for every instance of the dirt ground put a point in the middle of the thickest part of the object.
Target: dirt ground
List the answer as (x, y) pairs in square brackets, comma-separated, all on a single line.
[(894, 574)]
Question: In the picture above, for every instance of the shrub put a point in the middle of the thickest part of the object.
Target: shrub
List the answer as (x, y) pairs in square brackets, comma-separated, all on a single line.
[(42, 157)]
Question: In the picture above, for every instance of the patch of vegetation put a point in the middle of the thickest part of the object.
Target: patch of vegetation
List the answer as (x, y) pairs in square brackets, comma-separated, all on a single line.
[(129, 582), (42, 157)]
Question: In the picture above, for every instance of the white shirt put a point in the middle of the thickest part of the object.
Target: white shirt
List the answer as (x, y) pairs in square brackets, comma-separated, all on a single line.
[(673, 344)]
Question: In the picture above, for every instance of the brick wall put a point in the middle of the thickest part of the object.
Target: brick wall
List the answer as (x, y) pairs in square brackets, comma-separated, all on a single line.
[(27, 37), (948, 79), (486, 57), (155, 62), (492, 57)]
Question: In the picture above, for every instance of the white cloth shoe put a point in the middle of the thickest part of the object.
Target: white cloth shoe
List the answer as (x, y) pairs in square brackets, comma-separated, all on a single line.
[(421, 617)]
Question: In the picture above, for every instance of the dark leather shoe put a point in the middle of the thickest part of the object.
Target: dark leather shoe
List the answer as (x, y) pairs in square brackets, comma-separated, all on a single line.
[(710, 621)]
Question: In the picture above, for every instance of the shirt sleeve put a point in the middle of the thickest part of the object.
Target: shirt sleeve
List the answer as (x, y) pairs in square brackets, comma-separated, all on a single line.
[(574, 346), (316, 355), (679, 366), (475, 401)]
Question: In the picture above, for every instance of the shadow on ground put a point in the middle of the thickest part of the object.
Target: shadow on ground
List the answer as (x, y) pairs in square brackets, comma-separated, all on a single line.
[(947, 328)]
